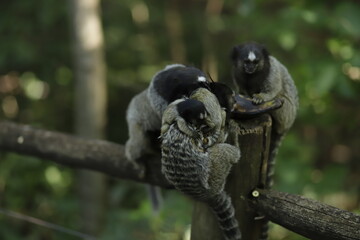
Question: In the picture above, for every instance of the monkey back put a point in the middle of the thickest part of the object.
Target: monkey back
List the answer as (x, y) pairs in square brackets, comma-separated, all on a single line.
[(185, 163)]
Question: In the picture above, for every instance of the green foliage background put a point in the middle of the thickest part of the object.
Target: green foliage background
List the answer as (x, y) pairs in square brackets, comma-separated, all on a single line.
[(318, 41)]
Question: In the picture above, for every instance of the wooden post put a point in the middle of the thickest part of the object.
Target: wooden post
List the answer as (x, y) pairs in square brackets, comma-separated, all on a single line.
[(249, 173)]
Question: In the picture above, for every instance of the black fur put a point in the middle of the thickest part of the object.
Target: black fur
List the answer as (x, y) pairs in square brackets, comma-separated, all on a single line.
[(178, 82), (224, 94), (250, 82), (190, 110)]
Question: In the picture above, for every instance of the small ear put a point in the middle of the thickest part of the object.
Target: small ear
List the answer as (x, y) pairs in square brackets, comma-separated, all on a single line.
[(235, 53), (264, 51)]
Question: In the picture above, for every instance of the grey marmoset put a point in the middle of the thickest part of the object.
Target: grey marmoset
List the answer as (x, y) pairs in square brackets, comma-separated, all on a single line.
[(262, 77), (145, 110), (195, 158)]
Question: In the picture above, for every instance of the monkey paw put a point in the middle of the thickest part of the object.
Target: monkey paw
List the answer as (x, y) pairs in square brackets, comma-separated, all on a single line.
[(133, 150), (133, 153), (257, 99)]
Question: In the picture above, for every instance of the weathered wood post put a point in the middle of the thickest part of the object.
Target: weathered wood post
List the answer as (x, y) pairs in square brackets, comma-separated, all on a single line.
[(245, 176)]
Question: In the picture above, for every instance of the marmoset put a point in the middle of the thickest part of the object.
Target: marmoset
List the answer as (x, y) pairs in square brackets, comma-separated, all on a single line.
[(145, 110), (195, 158), (262, 77)]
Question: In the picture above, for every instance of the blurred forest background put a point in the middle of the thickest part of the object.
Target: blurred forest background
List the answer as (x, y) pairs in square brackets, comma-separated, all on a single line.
[(318, 41)]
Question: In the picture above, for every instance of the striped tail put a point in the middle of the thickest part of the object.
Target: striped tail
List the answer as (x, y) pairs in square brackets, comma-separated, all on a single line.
[(156, 199), (275, 143), (224, 210)]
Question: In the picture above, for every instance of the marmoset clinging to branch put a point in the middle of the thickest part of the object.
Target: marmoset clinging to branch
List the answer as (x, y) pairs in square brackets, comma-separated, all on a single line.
[(195, 158), (262, 77), (145, 110)]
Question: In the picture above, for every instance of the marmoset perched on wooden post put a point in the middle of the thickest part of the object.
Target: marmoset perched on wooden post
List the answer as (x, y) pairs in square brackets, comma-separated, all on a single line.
[(262, 77), (195, 158)]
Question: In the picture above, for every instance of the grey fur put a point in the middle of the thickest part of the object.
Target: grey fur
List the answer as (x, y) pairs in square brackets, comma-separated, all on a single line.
[(141, 117), (198, 164), (144, 114), (276, 84)]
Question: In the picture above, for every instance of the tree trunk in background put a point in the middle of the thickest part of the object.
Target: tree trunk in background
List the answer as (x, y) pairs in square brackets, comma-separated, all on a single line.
[(174, 28), (90, 104), (209, 62)]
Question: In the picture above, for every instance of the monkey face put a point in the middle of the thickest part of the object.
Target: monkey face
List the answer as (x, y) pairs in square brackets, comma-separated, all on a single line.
[(193, 112), (250, 61), (249, 58), (250, 66)]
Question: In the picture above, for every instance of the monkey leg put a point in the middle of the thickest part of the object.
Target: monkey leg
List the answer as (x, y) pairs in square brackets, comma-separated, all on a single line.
[(138, 143), (141, 119), (221, 157)]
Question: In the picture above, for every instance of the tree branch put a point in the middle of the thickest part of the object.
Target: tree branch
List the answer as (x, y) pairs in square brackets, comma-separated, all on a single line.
[(76, 152), (307, 217)]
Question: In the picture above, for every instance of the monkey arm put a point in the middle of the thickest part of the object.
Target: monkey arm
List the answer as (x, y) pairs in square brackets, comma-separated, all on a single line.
[(223, 132), (184, 127), (221, 157), (140, 118), (273, 85), (269, 93), (259, 98)]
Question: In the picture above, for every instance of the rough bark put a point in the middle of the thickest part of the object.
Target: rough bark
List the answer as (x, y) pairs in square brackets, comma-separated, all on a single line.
[(76, 152), (307, 217), (245, 176)]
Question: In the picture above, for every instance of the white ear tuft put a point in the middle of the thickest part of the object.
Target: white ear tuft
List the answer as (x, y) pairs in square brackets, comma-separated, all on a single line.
[(201, 79)]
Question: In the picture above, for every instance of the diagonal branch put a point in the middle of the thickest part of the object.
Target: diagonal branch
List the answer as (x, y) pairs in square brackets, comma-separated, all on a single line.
[(307, 217), (97, 155)]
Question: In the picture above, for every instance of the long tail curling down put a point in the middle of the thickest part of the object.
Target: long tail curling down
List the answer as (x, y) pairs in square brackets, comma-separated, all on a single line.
[(225, 213)]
